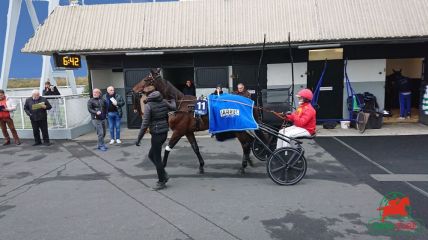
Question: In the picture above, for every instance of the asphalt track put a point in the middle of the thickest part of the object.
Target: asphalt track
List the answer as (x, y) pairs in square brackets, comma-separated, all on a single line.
[(71, 191), (364, 156)]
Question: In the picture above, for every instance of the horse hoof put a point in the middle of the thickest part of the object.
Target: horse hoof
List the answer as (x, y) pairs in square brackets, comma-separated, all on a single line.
[(242, 172), (201, 171)]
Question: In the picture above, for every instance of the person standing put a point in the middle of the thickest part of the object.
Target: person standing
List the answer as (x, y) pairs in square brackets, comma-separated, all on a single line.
[(156, 118), (218, 90), (114, 103), (36, 108), (6, 109), (405, 96), (189, 88), (242, 91), (50, 90), (97, 109), (55, 114)]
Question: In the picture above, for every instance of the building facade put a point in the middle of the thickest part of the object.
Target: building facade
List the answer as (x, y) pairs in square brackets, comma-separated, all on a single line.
[(220, 42)]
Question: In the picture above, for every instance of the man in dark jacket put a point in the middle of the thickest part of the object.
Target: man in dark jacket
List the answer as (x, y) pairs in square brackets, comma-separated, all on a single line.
[(189, 89), (114, 103), (156, 118), (242, 91), (97, 109), (36, 108), (54, 113), (50, 90), (218, 90)]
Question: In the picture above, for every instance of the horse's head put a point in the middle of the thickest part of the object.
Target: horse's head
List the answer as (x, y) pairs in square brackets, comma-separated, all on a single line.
[(396, 73), (154, 81), (148, 84)]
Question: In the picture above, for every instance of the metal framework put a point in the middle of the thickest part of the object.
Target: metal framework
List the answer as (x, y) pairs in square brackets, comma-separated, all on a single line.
[(12, 25)]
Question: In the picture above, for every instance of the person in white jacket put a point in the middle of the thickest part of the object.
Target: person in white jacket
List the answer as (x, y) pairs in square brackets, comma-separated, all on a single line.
[(6, 109)]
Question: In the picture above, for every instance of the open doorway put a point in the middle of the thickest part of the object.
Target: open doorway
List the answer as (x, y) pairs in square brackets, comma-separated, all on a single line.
[(178, 76), (409, 69)]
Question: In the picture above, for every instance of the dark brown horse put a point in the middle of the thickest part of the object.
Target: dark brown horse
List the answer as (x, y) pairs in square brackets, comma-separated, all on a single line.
[(182, 121)]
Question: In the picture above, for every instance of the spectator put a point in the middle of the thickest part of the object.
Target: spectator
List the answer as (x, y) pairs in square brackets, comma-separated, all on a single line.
[(97, 108), (50, 90), (6, 109), (54, 113), (242, 91), (114, 103), (189, 89), (218, 90), (36, 108)]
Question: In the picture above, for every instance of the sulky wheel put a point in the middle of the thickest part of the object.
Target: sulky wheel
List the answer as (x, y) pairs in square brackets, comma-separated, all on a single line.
[(361, 122), (259, 151), (285, 167)]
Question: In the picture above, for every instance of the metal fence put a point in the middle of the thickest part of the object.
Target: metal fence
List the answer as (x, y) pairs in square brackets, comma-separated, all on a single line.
[(67, 112)]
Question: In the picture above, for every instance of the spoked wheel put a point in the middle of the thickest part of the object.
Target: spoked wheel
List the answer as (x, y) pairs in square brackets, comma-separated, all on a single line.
[(260, 152), (285, 167), (361, 122)]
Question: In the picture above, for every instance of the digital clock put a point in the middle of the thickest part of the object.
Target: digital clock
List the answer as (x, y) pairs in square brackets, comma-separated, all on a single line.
[(67, 61)]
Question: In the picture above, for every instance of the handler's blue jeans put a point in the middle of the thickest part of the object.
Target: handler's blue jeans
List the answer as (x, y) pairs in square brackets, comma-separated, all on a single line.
[(114, 124), (405, 104)]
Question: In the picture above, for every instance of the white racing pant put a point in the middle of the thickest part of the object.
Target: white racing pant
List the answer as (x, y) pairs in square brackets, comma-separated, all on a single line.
[(292, 132)]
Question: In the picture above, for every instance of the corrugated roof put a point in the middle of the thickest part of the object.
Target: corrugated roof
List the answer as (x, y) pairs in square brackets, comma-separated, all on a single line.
[(225, 23)]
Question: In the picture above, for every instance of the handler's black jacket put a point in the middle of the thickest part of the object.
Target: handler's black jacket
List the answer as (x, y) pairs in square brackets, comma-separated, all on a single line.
[(155, 115)]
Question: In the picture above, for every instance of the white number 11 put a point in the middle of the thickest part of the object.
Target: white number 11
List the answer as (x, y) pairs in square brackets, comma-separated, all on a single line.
[(201, 105)]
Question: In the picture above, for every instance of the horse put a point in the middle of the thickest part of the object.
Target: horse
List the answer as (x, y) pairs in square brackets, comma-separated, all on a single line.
[(183, 122)]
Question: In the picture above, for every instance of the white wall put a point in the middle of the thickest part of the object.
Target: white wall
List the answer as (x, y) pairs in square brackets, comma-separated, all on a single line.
[(366, 76), (104, 78), (279, 75), (371, 70)]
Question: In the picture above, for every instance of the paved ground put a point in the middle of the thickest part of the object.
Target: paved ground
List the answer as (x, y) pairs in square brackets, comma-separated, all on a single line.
[(387, 156), (71, 191)]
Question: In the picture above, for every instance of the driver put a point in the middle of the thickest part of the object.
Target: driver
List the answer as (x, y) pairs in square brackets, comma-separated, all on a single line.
[(304, 119)]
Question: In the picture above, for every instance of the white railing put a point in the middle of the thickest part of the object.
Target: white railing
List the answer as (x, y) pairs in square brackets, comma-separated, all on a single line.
[(68, 111), (23, 92)]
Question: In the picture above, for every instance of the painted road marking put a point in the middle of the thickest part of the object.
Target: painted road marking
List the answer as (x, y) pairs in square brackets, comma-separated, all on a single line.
[(400, 177), (379, 166)]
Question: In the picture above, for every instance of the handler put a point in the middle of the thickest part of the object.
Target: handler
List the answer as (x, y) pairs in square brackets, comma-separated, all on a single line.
[(304, 119), (156, 118)]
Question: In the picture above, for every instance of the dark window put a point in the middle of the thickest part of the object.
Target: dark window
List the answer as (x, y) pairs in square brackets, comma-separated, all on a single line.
[(209, 77)]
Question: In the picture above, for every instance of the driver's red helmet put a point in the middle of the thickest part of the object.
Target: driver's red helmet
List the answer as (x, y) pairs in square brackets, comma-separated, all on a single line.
[(306, 94)]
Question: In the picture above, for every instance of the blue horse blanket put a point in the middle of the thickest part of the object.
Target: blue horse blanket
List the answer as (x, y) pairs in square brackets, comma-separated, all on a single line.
[(228, 112)]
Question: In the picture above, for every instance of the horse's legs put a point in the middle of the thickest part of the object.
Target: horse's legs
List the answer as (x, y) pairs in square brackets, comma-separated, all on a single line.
[(171, 144), (194, 144), (245, 141)]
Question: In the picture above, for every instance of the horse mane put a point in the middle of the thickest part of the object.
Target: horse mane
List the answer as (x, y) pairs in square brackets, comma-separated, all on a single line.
[(168, 90), (165, 87)]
